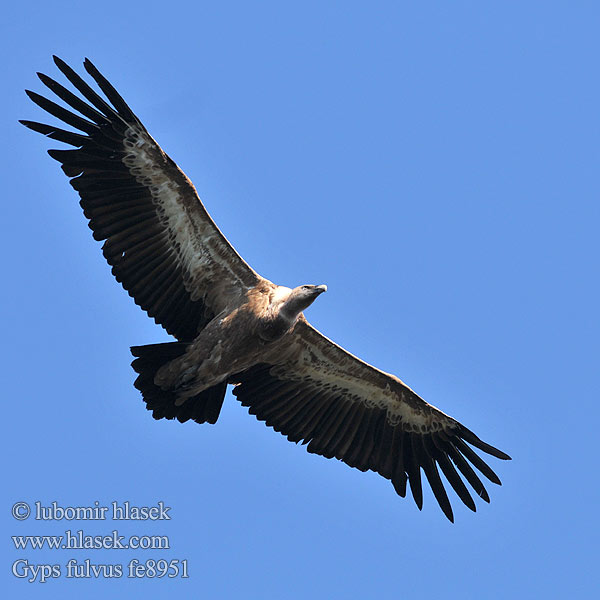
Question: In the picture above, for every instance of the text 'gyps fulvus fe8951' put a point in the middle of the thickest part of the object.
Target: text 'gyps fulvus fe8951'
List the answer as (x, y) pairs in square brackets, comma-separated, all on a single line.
[(233, 326)]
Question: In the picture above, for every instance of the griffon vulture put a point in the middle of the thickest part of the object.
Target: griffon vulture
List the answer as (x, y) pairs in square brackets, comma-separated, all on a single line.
[(233, 326)]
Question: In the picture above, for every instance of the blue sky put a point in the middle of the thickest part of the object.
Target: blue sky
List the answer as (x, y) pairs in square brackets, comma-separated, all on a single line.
[(436, 165)]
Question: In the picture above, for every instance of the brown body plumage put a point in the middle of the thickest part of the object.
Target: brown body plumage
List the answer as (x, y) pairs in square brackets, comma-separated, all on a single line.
[(260, 329)]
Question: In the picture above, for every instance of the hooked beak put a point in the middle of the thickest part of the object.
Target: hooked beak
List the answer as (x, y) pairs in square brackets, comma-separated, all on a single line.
[(321, 288)]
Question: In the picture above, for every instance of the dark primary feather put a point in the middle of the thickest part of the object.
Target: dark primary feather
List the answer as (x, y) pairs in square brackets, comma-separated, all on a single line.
[(56, 133), (115, 98), (86, 91), (85, 109)]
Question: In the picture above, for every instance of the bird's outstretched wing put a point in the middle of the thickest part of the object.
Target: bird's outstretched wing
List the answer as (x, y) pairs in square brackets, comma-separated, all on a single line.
[(344, 408), (161, 243)]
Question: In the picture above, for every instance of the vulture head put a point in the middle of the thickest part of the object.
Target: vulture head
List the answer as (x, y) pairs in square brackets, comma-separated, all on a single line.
[(301, 298)]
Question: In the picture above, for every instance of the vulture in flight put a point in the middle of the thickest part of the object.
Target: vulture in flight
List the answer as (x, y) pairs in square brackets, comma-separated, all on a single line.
[(233, 326)]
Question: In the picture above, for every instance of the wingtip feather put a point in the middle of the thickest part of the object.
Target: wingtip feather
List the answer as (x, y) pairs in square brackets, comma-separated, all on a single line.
[(474, 440)]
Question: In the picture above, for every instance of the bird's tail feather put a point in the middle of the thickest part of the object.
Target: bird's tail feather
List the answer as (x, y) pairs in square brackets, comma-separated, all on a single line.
[(203, 408)]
